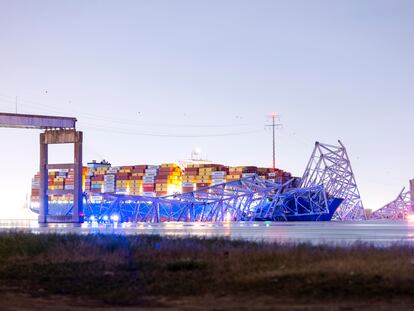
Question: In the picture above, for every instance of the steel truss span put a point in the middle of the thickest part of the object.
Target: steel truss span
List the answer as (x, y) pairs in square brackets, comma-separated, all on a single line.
[(328, 182), (247, 199), (330, 166), (398, 209)]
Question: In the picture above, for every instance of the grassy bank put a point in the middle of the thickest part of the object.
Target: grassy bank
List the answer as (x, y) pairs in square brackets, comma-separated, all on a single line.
[(144, 270)]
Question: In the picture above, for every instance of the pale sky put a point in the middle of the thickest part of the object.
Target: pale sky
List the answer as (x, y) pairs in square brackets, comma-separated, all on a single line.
[(132, 70)]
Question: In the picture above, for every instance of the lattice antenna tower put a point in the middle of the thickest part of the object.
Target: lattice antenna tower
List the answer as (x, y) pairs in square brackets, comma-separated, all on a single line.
[(275, 124)]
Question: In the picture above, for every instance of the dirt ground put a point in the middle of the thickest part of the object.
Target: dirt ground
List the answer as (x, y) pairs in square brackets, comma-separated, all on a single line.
[(11, 301), (112, 272)]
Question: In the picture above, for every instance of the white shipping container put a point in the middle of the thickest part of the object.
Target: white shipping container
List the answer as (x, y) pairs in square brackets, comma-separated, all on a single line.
[(271, 174), (187, 184), (148, 179), (148, 183), (218, 180), (271, 179), (153, 167), (218, 174), (151, 174), (248, 175), (151, 170), (148, 194), (70, 187)]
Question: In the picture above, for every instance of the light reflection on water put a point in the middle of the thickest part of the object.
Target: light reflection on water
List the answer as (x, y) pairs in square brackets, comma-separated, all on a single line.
[(376, 232)]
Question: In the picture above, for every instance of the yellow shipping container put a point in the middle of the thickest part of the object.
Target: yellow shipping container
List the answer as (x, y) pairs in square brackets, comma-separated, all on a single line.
[(169, 165), (236, 168), (203, 178), (204, 174), (188, 178), (135, 182), (161, 184), (233, 176), (205, 169)]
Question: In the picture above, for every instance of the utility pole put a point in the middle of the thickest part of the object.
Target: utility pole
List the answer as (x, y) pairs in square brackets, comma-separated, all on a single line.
[(16, 105), (274, 125)]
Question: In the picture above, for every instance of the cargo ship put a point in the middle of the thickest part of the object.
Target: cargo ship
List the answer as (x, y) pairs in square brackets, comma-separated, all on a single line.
[(156, 181)]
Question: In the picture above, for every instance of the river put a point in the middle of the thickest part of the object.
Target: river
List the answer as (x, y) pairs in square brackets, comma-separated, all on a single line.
[(342, 233)]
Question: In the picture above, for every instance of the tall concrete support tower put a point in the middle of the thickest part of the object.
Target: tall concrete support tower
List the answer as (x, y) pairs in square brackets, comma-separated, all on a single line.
[(61, 137)]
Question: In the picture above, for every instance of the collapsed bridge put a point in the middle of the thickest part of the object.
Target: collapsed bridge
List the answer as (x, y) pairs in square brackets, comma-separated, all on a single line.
[(328, 182)]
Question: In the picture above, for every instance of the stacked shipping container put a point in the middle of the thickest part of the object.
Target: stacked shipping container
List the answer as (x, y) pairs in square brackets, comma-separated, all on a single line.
[(150, 180)]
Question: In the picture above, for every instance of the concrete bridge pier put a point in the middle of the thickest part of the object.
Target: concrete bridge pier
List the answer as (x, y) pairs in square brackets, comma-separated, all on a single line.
[(61, 137)]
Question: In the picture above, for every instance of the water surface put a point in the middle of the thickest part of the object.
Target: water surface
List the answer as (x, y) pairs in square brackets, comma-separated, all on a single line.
[(376, 232)]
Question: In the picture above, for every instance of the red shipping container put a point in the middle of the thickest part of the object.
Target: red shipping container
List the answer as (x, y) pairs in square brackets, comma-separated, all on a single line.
[(163, 174), (188, 189), (162, 180), (191, 169), (202, 185), (190, 173), (122, 175), (97, 178), (138, 170), (166, 169)]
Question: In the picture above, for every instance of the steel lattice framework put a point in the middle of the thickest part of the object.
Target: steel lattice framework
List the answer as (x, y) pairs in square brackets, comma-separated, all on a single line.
[(328, 180), (330, 166), (250, 198), (397, 209)]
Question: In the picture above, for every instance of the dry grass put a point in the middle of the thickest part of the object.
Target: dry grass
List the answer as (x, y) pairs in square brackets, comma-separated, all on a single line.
[(124, 270)]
